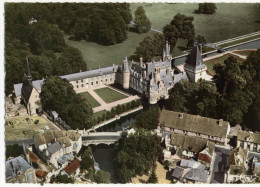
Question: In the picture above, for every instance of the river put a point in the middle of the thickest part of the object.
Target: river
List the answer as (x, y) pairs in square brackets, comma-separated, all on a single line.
[(104, 154)]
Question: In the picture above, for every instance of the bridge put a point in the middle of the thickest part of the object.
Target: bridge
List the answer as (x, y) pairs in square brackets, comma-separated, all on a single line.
[(96, 138)]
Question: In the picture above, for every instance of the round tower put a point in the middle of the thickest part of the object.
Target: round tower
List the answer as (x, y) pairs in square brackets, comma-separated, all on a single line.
[(126, 74)]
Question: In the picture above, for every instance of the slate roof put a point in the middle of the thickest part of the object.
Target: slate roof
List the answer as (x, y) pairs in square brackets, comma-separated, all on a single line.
[(188, 143), (193, 123), (194, 59), (72, 167), (252, 155), (16, 164), (90, 73), (53, 148), (18, 87), (242, 135), (177, 172), (187, 163), (196, 175)]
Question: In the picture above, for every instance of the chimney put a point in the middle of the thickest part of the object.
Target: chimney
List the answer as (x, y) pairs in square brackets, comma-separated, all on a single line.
[(141, 61)]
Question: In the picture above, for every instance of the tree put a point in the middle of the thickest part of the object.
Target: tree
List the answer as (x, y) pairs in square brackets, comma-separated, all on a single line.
[(232, 84), (152, 178), (86, 162), (70, 61), (102, 177), (171, 34), (142, 22), (13, 151), (136, 154), (63, 179), (58, 94), (206, 8), (149, 48)]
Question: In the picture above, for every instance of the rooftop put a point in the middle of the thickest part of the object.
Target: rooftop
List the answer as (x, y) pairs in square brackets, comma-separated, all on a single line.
[(194, 123), (243, 135), (72, 167)]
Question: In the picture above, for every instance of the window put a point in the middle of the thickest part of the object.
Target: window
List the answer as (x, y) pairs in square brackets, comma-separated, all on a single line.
[(241, 144), (77, 86), (105, 80), (82, 85), (91, 83), (81, 80), (96, 82), (110, 79), (77, 82)]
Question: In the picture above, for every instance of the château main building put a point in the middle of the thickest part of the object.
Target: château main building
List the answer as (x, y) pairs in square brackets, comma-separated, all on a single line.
[(153, 79)]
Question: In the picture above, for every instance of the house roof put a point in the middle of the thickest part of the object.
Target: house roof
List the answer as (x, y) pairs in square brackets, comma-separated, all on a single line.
[(242, 135), (90, 73), (53, 148), (194, 123), (196, 175), (194, 59), (187, 163), (72, 167), (204, 158), (188, 143), (177, 172), (64, 141), (14, 165)]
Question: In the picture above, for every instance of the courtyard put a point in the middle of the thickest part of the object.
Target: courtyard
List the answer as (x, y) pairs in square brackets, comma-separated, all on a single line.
[(21, 128), (104, 98)]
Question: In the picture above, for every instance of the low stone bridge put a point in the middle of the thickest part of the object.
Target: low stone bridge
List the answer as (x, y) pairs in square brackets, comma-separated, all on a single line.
[(96, 138)]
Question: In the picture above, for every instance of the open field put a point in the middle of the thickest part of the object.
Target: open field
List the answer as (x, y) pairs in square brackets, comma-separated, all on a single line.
[(212, 62), (89, 99), (108, 95), (230, 20), (21, 129), (240, 41)]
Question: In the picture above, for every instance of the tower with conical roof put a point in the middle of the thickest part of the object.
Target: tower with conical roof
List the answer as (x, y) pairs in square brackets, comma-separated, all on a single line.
[(195, 67), (126, 74)]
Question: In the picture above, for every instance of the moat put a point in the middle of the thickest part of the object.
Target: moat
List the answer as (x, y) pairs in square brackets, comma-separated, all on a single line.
[(104, 154)]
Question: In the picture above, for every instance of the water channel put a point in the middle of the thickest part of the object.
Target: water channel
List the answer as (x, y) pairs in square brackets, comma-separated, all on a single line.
[(104, 154)]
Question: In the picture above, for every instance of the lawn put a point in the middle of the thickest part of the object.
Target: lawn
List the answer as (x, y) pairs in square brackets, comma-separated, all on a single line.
[(229, 21), (211, 63), (90, 99), (240, 41), (109, 95), (22, 129), (244, 53)]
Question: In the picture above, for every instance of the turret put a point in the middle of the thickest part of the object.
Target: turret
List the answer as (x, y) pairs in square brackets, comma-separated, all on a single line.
[(167, 52), (126, 74)]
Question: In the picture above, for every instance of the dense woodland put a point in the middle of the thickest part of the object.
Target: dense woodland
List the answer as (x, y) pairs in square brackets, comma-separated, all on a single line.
[(43, 42)]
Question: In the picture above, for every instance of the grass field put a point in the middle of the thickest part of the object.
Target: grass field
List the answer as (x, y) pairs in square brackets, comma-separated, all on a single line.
[(109, 95), (244, 53), (230, 20), (21, 129), (211, 63), (90, 99)]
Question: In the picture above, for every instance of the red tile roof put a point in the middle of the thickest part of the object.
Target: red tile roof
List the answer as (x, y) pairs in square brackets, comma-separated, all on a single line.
[(72, 167), (41, 173), (204, 158), (32, 156)]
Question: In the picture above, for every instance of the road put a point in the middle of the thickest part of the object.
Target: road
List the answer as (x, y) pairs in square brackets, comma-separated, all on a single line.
[(250, 45), (20, 142)]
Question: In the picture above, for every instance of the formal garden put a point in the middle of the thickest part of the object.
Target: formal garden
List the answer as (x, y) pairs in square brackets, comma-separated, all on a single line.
[(93, 102), (109, 95)]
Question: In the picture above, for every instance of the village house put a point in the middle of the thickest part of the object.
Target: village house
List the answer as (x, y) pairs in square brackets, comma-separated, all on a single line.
[(194, 126), (238, 167), (56, 147), (18, 170), (73, 168), (248, 140)]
